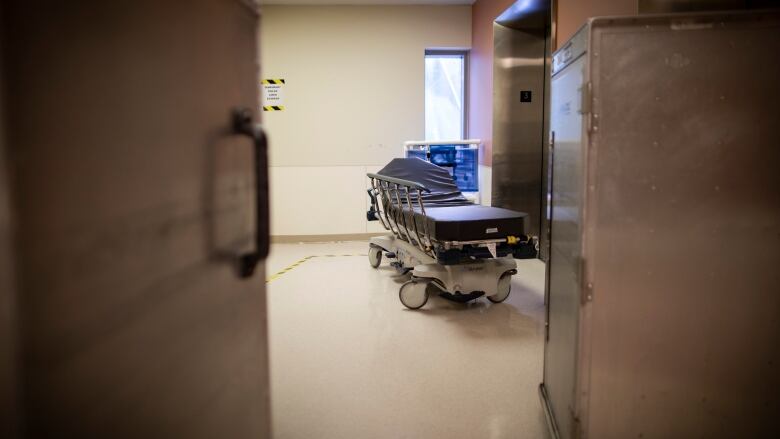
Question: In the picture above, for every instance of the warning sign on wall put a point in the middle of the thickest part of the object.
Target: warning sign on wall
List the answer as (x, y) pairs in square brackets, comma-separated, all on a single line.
[(273, 94)]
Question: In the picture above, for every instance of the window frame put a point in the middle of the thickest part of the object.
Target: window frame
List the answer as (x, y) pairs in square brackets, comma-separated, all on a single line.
[(464, 54)]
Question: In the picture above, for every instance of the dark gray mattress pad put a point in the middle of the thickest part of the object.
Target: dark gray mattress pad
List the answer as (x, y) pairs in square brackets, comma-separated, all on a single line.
[(468, 223)]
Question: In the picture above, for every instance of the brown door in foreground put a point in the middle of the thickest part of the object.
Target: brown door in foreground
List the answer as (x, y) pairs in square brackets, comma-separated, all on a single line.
[(130, 198)]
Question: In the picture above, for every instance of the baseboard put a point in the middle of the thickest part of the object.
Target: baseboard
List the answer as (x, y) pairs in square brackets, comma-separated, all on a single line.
[(288, 239), (552, 426)]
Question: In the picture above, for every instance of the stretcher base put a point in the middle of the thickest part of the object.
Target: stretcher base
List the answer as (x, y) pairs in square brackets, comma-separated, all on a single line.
[(460, 282)]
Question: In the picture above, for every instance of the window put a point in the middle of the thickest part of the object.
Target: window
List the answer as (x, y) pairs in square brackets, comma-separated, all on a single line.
[(445, 95)]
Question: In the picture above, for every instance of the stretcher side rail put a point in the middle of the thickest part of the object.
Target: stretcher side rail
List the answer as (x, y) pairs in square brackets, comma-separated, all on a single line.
[(399, 181), (390, 197)]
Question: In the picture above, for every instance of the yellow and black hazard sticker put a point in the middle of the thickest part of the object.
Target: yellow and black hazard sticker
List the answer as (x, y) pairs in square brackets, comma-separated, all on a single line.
[(297, 263), (273, 94)]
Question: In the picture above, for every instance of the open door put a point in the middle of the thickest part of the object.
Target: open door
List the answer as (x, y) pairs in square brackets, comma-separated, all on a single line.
[(133, 196)]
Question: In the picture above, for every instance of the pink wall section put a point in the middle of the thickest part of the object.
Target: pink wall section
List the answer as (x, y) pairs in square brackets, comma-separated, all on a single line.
[(483, 13)]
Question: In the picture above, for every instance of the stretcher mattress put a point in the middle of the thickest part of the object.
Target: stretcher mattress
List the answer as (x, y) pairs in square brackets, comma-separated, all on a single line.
[(449, 215), (471, 223)]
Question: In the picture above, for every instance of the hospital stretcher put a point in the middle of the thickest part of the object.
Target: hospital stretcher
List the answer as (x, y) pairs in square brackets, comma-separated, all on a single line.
[(451, 246)]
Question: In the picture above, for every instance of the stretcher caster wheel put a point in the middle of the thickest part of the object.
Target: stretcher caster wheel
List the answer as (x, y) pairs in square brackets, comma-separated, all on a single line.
[(374, 256), (413, 294), (504, 287)]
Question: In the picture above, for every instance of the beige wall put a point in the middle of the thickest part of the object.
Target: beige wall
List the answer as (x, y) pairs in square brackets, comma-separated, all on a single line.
[(354, 93)]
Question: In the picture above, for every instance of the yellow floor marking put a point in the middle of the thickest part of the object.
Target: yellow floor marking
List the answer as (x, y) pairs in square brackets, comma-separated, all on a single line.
[(297, 263)]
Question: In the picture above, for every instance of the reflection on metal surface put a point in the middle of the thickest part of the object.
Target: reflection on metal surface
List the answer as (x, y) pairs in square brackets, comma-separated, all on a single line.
[(521, 63), (526, 14), (510, 63), (566, 244)]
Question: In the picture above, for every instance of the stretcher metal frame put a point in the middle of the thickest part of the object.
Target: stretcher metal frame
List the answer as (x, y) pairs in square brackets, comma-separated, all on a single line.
[(394, 202)]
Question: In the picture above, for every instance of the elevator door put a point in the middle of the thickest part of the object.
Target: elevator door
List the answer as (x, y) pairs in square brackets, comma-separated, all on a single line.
[(132, 198)]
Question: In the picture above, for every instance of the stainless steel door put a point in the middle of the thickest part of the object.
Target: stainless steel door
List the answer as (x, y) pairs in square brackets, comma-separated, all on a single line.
[(518, 121), (132, 199), (683, 227), (560, 363), (663, 281)]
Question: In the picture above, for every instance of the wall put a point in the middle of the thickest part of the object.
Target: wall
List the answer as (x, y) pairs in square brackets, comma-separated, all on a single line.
[(573, 13), (354, 93)]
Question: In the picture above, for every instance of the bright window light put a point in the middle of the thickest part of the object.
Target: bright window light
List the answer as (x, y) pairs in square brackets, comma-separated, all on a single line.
[(445, 79)]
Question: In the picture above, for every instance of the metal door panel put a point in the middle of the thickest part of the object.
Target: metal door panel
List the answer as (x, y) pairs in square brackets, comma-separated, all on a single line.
[(133, 198), (684, 227), (518, 127), (9, 343), (566, 233)]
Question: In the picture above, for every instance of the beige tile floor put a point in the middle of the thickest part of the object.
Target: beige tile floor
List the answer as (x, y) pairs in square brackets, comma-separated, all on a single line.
[(349, 361)]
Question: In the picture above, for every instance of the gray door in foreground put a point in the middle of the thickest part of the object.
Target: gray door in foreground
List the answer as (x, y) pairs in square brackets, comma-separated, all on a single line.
[(131, 198)]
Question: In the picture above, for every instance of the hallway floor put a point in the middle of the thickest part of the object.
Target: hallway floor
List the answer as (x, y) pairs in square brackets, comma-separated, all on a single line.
[(349, 361)]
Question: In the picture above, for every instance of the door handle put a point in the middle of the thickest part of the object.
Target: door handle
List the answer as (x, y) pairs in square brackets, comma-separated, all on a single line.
[(242, 124)]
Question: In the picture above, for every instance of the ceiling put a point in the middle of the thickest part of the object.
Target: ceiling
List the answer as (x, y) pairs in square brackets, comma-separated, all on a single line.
[(365, 2)]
